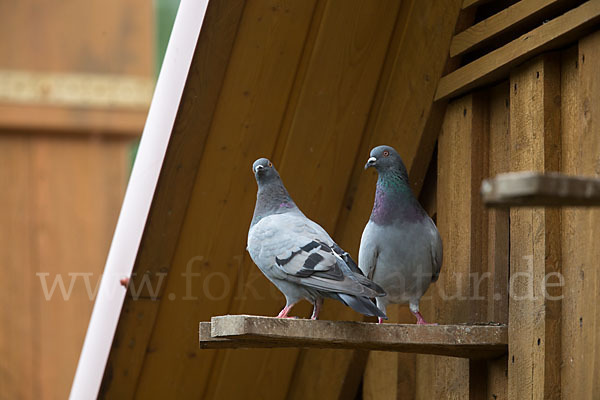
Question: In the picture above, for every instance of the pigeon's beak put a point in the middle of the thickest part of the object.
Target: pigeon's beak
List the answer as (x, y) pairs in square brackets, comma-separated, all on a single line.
[(258, 168), (370, 162)]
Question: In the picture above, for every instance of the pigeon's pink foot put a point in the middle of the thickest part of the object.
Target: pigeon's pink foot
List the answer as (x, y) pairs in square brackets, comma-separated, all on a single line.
[(421, 320), (380, 320), (316, 309), (284, 312)]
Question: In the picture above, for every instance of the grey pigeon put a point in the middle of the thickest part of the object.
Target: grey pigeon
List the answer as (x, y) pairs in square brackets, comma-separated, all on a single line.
[(298, 256), (400, 248)]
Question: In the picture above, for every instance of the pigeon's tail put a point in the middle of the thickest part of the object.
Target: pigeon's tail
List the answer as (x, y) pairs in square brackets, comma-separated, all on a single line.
[(362, 304), (363, 280)]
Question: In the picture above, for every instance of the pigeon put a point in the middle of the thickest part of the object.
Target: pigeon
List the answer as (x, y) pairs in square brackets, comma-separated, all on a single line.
[(400, 248), (298, 256)]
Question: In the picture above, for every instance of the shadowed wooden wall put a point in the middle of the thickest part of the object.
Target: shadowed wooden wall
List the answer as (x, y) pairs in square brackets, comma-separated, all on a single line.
[(541, 119), (64, 167)]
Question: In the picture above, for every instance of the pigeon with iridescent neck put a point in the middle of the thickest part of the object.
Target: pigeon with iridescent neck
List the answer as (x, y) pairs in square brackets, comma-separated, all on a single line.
[(298, 256), (401, 248)]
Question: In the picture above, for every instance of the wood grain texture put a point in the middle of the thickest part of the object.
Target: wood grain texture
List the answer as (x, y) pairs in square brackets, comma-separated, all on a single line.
[(498, 225), (540, 189), (66, 182), (497, 64), (64, 120), (462, 160), (580, 148), (98, 36), (473, 3), (479, 341), (534, 316), (69, 191), (498, 234), (522, 13), (83, 220), (391, 375), (19, 317)]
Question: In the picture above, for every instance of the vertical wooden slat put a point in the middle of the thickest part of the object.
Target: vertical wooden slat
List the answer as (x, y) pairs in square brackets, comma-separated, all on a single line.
[(19, 342), (462, 163), (75, 210), (391, 375), (534, 319), (498, 234), (110, 36), (580, 376)]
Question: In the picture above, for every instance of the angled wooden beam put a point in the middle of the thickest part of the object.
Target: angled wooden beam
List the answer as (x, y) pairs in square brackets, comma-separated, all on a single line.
[(470, 341), (473, 3), (511, 18), (170, 149), (497, 64), (539, 189)]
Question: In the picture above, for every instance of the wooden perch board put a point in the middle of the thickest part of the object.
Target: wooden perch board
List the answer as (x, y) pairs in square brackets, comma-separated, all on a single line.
[(245, 331), (538, 189)]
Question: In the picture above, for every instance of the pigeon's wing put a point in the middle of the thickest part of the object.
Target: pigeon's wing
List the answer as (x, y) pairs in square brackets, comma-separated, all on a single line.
[(436, 252), (367, 254), (335, 247), (300, 253)]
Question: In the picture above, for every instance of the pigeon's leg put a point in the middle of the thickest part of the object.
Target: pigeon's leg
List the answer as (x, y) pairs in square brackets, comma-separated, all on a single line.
[(414, 308), (382, 305), (284, 312), (316, 308)]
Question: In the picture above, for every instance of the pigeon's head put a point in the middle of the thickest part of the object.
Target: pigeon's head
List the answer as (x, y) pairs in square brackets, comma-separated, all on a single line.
[(384, 158), (264, 171)]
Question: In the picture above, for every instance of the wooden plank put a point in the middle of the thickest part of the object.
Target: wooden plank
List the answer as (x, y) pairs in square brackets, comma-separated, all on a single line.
[(75, 89), (497, 64), (108, 36), (330, 109), (539, 189), (534, 311), (498, 235), (73, 120), (76, 205), (580, 378), (473, 3), (19, 319), (102, 37), (402, 115), (462, 160), (391, 375), (474, 341), (518, 15), (74, 102), (498, 225)]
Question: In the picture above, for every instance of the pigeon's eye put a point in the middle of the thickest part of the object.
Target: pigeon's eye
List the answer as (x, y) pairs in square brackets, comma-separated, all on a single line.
[(270, 164), (386, 153)]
